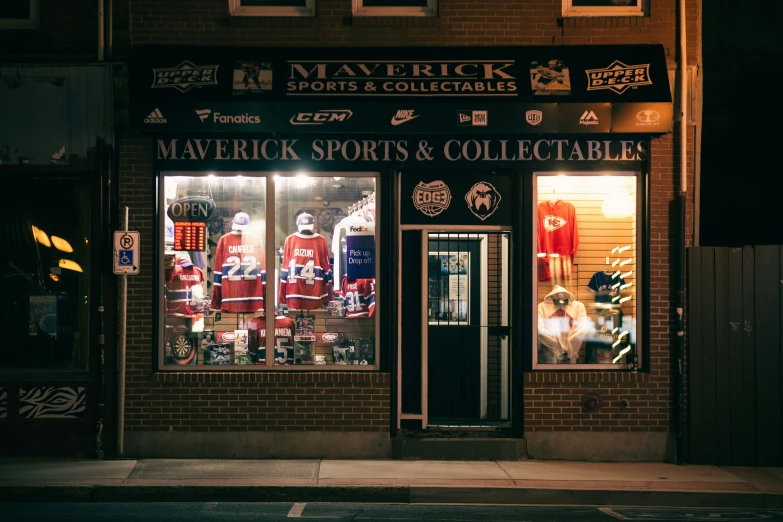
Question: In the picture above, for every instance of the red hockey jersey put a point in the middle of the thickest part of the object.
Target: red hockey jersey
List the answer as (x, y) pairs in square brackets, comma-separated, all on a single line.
[(558, 237), (178, 290), (358, 297), (285, 328), (305, 276), (240, 273)]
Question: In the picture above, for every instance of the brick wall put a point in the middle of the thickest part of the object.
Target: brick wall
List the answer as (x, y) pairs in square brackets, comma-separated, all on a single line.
[(229, 401), (551, 400)]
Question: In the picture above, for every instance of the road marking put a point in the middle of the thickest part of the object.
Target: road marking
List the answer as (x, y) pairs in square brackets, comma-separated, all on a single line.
[(296, 510), (612, 513)]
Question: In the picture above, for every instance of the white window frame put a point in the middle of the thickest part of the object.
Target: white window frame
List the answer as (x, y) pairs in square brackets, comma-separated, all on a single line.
[(635, 8), (30, 23), (235, 8), (430, 10)]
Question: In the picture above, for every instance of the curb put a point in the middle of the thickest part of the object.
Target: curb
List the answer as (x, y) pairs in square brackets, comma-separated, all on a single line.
[(390, 494)]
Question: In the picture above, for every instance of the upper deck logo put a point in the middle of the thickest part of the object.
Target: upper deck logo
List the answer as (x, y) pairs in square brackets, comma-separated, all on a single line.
[(618, 77), (184, 76), (431, 198)]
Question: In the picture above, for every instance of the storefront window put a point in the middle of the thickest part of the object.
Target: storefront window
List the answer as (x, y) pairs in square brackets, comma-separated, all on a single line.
[(215, 272), (586, 270), (45, 271)]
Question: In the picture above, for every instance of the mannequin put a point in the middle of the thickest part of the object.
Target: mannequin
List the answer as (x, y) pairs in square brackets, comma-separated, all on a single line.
[(240, 275), (284, 330), (184, 286), (562, 326), (305, 276)]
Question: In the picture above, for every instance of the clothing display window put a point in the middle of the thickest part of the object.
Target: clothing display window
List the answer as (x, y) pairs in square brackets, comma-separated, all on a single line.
[(215, 279), (587, 237)]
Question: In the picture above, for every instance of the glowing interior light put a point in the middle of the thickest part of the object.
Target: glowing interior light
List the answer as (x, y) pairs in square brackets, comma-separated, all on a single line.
[(615, 298), (554, 255), (615, 262), (624, 299), (70, 265), (616, 274), (614, 286), (624, 333), (627, 274), (541, 254), (61, 244), (303, 181), (626, 261), (622, 352), (614, 331), (54, 277), (626, 285), (618, 204), (623, 249), (618, 341), (615, 249), (41, 236)]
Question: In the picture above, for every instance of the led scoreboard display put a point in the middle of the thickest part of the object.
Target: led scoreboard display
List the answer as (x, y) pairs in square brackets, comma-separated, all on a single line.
[(190, 236)]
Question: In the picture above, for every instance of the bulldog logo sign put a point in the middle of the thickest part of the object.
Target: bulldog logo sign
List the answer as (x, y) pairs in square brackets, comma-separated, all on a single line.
[(431, 198), (483, 200)]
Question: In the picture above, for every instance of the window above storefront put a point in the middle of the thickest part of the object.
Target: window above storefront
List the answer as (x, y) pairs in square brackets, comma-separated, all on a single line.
[(20, 14), (271, 7), (574, 8), (395, 7)]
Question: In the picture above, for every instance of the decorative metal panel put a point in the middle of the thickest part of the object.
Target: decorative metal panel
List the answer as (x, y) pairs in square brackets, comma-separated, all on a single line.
[(3, 403), (52, 403)]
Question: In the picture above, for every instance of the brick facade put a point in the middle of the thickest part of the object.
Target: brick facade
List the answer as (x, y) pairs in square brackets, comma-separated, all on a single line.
[(350, 402)]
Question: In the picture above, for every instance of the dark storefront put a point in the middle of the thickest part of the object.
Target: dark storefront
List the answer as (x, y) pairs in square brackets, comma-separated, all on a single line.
[(432, 225)]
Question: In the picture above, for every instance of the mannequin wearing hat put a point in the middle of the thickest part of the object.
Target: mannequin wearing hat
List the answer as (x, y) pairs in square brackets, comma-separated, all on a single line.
[(239, 269), (305, 276), (562, 326)]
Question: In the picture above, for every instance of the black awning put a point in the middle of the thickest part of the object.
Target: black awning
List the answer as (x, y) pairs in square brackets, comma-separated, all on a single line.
[(476, 90)]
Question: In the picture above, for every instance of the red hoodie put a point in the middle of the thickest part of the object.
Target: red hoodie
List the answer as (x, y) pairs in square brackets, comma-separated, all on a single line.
[(557, 234)]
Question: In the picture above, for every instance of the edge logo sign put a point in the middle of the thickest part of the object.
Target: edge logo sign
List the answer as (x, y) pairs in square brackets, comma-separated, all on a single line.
[(184, 76), (483, 199), (431, 198), (618, 77)]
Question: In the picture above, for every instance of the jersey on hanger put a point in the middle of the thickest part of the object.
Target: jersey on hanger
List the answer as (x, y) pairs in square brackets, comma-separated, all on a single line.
[(179, 292), (239, 273), (605, 286), (558, 238), (305, 274), (358, 297), (284, 329)]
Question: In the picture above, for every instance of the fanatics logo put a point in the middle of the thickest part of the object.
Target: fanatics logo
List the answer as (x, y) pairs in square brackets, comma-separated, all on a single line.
[(431, 198), (155, 117), (403, 116), (184, 76), (483, 200), (534, 117), (588, 118), (473, 118), (203, 114), (618, 77)]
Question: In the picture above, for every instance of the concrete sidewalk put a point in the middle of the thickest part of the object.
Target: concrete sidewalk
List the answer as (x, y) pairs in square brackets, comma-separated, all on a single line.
[(405, 481)]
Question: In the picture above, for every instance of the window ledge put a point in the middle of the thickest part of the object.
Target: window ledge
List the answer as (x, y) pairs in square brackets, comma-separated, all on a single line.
[(581, 20), (272, 377), (586, 376), (391, 21), (301, 22)]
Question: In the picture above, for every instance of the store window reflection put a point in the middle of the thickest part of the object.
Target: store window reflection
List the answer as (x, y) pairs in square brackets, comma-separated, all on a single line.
[(44, 269), (587, 270)]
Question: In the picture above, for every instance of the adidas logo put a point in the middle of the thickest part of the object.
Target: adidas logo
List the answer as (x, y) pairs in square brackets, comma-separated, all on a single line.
[(155, 117), (203, 114), (588, 118)]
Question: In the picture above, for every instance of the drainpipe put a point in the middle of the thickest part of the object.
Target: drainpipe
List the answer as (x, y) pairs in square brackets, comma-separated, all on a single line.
[(680, 380), (109, 27), (101, 16)]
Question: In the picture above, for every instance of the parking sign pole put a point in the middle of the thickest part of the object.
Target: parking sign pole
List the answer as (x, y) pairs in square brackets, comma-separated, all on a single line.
[(121, 358)]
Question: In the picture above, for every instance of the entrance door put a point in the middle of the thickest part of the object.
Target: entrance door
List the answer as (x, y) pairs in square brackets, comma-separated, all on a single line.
[(464, 336)]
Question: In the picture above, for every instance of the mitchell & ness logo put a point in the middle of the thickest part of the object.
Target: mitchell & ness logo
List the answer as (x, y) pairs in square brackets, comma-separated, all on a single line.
[(618, 77), (184, 76), (403, 116), (431, 198)]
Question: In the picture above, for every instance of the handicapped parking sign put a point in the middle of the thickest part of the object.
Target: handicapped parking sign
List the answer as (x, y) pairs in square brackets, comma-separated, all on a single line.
[(126, 252)]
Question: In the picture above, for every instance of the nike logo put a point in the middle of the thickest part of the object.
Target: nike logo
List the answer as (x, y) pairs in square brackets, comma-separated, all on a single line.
[(403, 116)]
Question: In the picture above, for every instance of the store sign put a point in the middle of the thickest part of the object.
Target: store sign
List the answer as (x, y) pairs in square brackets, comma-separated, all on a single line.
[(408, 150), (191, 208), (184, 76), (360, 246), (440, 78), (190, 216)]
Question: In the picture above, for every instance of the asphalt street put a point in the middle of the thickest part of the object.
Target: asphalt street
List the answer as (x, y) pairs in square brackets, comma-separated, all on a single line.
[(230, 511)]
